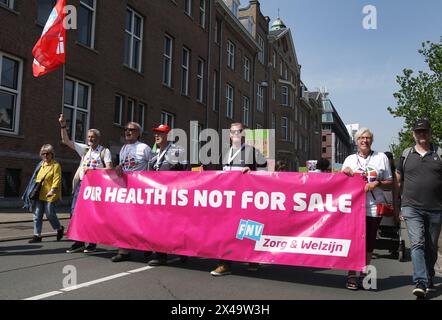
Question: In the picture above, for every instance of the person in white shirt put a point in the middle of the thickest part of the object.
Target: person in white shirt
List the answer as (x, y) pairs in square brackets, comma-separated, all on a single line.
[(134, 156), (375, 168), (93, 157)]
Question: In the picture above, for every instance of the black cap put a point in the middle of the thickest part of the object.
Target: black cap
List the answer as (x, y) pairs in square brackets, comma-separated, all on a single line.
[(422, 125)]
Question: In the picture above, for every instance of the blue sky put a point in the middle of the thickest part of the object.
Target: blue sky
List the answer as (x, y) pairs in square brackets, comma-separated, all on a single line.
[(359, 66)]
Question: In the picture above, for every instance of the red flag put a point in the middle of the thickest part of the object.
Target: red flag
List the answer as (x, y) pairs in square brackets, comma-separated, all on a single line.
[(50, 50)]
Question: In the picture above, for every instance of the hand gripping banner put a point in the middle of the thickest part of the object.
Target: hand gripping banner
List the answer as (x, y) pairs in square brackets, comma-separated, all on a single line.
[(312, 220)]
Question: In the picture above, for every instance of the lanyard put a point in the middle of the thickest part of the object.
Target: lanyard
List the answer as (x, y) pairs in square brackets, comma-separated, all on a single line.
[(367, 161), (160, 158), (232, 157)]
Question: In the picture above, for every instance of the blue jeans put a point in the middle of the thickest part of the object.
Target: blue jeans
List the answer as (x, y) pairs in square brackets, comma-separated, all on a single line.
[(40, 208), (424, 228), (75, 197)]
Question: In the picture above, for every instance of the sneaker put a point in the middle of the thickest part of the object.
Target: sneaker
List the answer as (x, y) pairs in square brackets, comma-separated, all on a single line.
[(76, 247), (161, 260), (253, 267), (35, 239), (221, 270), (431, 287), (60, 233), (121, 257), (420, 290), (92, 247)]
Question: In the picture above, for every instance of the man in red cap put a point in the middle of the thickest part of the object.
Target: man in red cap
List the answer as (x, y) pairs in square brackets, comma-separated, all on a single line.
[(168, 157)]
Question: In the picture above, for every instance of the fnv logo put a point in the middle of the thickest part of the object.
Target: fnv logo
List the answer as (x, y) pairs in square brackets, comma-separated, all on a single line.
[(250, 229)]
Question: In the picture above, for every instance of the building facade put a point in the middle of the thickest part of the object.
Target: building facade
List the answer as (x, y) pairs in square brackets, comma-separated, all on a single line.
[(160, 61)]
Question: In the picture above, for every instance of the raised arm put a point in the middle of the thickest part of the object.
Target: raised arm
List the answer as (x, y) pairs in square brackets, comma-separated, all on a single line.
[(64, 133)]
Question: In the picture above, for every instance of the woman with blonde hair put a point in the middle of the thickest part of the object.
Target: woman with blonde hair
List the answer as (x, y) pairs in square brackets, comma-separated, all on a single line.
[(48, 175)]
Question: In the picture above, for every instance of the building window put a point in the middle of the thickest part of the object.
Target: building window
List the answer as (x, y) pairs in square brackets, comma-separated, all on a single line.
[(217, 31), (77, 106), (118, 113), (44, 9), (167, 61), (292, 126), (133, 41), (230, 55), (229, 101), (281, 67), (246, 111), (141, 114), (188, 7), (260, 99), (7, 3), (203, 14), (285, 95), (246, 69), (12, 182), (86, 23), (168, 118), (215, 91), (200, 81), (261, 45), (286, 74), (273, 90), (185, 63), (130, 110), (10, 93), (274, 60), (284, 128)]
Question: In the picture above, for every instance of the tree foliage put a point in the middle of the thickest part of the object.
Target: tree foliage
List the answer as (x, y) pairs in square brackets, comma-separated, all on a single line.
[(420, 97)]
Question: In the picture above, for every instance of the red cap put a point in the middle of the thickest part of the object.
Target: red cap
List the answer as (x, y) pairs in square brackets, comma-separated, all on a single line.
[(163, 128)]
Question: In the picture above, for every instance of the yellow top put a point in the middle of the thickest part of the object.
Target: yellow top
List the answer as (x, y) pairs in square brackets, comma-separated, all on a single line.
[(51, 173)]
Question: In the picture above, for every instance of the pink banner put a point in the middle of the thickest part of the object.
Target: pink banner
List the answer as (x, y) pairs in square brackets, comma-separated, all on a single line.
[(300, 219)]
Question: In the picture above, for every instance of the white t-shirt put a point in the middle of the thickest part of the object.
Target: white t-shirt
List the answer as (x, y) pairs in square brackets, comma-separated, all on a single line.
[(375, 167), (135, 156), (92, 159)]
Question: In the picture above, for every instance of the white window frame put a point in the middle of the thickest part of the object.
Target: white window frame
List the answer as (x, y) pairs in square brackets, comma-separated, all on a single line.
[(231, 54), (185, 71), (260, 98), (261, 45), (77, 109), (200, 80), (142, 117), (16, 92), (188, 7), (247, 69), (285, 96), (230, 94), (94, 14), (167, 60), (131, 110), (246, 110), (168, 118), (203, 14), (9, 5), (284, 128), (132, 35), (120, 107)]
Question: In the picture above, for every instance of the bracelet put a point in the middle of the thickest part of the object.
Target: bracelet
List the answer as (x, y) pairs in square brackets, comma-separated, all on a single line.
[(64, 127)]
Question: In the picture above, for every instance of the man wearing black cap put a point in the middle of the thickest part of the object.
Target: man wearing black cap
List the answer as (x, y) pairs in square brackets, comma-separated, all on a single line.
[(419, 174), (168, 157)]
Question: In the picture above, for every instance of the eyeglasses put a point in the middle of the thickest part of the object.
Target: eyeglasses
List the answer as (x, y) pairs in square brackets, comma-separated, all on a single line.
[(364, 138), (130, 129), (236, 132)]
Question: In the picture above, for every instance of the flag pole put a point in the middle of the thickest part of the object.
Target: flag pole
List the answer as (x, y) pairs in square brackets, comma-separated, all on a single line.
[(63, 84)]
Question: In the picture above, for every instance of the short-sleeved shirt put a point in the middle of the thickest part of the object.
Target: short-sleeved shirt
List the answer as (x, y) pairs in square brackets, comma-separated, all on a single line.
[(92, 158), (375, 167), (135, 156), (422, 180)]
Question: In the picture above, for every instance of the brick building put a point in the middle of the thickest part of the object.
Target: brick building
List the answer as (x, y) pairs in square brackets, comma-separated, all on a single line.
[(159, 61)]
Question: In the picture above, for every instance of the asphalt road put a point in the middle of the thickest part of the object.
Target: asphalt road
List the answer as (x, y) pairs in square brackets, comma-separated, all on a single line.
[(36, 271)]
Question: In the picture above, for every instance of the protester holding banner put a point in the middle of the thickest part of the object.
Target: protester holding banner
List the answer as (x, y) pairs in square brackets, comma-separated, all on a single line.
[(168, 157), (322, 165), (93, 157), (375, 169), (45, 192), (244, 158), (134, 156)]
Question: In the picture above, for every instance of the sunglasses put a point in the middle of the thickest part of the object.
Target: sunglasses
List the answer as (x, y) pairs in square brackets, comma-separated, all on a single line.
[(45, 154), (236, 132), (130, 129)]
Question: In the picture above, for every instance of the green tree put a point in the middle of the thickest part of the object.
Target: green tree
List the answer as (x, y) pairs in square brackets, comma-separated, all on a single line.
[(420, 97)]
